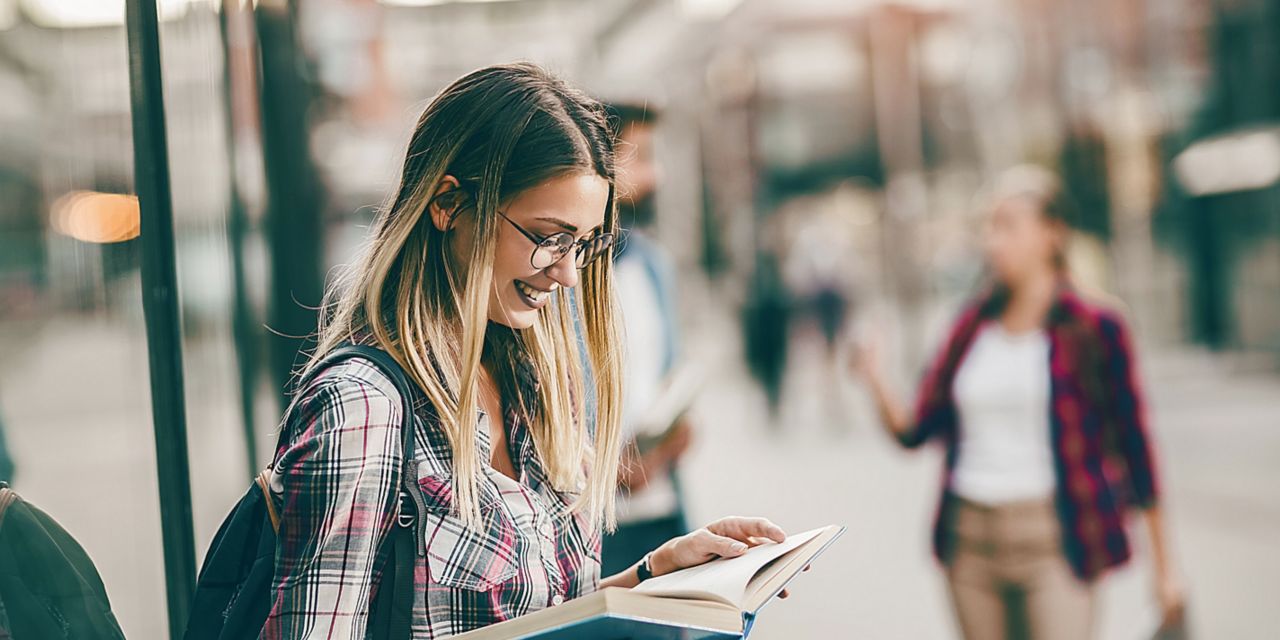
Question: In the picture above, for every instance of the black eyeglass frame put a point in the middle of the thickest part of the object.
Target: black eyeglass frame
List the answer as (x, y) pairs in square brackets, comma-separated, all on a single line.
[(560, 249), (562, 243)]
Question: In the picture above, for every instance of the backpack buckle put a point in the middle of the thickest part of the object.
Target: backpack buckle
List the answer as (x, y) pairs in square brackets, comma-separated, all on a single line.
[(406, 515)]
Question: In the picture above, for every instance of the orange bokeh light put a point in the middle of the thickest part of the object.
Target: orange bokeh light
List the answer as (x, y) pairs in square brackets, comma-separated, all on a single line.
[(101, 218)]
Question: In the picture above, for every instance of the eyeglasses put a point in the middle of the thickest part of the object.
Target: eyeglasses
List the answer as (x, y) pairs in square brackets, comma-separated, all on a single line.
[(551, 249)]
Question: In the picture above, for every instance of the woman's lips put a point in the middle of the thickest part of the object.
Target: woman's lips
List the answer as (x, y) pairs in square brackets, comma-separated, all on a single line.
[(531, 296)]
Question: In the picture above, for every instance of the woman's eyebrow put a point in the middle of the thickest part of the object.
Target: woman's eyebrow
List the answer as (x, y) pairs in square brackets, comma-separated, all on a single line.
[(560, 223)]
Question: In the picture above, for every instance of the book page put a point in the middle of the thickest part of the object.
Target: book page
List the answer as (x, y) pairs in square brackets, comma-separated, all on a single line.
[(771, 578), (723, 580)]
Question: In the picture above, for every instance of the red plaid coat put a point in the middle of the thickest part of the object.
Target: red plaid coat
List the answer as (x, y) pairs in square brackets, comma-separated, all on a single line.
[(1101, 445)]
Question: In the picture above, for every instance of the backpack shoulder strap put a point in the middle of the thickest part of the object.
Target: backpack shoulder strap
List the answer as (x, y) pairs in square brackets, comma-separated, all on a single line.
[(385, 362), (403, 546)]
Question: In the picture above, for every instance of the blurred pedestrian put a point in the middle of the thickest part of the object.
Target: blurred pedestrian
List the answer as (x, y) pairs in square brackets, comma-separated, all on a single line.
[(6, 460), (1036, 398), (650, 509), (821, 270), (766, 327)]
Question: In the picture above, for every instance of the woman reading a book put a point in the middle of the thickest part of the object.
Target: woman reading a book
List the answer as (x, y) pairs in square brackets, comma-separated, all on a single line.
[(501, 227), (1037, 401)]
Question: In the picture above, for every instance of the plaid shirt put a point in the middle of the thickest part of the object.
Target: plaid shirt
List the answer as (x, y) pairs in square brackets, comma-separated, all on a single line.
[(337, 484), (1101, 448)]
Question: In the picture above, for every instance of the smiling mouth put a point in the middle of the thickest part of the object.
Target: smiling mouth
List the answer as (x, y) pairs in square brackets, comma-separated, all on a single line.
[(533, 297)]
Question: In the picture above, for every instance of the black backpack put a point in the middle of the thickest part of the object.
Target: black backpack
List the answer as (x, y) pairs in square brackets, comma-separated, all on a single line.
[(49, 588), (233, 591)]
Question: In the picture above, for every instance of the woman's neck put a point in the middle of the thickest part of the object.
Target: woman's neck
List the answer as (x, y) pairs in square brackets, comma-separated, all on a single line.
[(1029, 302)]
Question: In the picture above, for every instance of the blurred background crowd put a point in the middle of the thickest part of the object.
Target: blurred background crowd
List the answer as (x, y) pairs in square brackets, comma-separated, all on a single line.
[(822, 167)]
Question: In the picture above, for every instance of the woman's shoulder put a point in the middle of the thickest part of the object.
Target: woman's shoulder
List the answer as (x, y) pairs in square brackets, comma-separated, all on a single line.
[(347, 384), (1097, 307), (357, 387)]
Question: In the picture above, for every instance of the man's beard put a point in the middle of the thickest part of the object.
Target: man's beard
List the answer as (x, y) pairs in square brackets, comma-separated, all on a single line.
[(637, 212)]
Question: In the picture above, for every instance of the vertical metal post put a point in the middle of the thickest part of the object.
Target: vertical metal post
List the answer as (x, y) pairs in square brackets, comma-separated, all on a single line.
[(160, 306)]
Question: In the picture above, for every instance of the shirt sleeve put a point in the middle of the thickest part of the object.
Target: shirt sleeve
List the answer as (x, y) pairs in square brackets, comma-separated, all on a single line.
[(935, 410), (934, 413), (1128, 411), (339, 481)]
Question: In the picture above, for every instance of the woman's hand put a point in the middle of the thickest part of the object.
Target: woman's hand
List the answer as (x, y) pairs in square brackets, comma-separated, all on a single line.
[(865, 357), (725, 538), (1172, 598), (1170, 593), (866, 361)]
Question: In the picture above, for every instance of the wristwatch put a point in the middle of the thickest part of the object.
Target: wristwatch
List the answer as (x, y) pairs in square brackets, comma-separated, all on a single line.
[(644, 570)]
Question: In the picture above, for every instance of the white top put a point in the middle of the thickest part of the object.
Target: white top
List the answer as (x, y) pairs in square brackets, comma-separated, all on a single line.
[(1002, 395), (643, 324)]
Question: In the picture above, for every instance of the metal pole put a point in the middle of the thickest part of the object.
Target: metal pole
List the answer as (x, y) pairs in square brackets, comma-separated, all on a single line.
[(160, 307)]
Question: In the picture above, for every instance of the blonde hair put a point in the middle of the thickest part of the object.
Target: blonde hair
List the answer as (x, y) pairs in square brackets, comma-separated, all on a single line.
[(499, 130)]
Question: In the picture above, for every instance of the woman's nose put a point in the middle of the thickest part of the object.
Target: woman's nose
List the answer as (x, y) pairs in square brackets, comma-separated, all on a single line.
[(565, 271)]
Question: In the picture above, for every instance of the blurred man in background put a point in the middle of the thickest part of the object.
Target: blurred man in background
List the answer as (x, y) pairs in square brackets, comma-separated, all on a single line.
[(649, 507), (6, 462)]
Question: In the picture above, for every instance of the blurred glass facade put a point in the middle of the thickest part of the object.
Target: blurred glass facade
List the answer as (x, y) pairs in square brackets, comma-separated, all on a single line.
[(840, 145)]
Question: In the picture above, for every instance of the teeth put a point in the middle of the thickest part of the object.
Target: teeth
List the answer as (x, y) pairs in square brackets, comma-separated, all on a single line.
[(533, 294)]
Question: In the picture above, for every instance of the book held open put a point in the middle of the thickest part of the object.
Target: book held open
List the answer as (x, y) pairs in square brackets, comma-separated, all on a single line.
[(716, 600)]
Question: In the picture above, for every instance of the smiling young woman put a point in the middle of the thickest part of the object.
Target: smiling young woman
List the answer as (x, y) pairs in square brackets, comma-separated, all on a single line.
[(505, 210)]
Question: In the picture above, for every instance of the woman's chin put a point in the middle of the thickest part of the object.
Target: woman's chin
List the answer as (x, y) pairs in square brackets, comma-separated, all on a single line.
[(522, 319)]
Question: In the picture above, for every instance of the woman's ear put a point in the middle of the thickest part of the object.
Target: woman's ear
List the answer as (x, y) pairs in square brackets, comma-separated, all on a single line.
[(446, 202)]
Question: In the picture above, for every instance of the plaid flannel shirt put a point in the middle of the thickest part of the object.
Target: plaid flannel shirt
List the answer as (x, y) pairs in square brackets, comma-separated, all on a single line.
[(1100, 441), (336, 479)]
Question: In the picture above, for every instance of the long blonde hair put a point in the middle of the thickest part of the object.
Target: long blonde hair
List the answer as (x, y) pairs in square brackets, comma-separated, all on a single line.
[(499, 130)]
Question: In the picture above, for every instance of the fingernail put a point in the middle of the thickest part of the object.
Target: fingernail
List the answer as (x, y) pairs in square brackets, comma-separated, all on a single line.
[(738, 546)]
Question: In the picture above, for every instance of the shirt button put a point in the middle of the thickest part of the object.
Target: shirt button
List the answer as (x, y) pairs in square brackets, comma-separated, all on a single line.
[(557, 600)]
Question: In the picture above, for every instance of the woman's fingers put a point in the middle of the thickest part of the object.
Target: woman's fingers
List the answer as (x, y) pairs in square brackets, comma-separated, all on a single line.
[(710, 543), (744, 529)]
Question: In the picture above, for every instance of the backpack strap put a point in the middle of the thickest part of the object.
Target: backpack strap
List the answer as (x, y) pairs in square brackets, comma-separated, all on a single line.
[(400, 596), (264, 484), (408, 516), (406, 388)]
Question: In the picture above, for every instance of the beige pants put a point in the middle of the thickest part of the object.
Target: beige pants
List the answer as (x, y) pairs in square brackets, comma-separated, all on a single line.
[(1010, 579)]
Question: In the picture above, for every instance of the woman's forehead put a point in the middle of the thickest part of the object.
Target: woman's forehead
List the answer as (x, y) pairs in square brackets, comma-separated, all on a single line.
[(574, 201)]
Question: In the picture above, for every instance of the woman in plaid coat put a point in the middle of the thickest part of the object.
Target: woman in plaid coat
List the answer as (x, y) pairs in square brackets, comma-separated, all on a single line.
[(501, 228), (1037, 402)]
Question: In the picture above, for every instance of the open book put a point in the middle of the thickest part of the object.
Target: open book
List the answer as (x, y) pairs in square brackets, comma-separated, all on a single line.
[(716, 600)]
